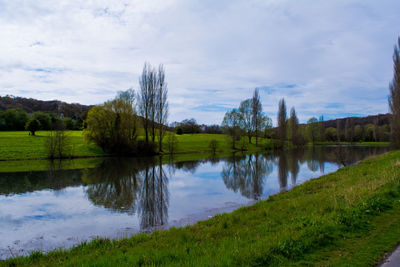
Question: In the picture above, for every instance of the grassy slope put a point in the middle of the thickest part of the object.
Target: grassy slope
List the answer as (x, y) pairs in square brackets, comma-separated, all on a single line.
[(347, 218)]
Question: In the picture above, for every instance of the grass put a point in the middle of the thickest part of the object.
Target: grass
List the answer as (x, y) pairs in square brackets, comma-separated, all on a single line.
[(20, 145), (347, 218), (354, 143), (199, 143)]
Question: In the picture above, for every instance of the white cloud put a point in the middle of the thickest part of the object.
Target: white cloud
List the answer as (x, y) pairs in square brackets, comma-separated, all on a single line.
[(215, 52)]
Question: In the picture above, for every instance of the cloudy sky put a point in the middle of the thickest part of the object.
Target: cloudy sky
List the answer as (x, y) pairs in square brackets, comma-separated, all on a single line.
[(331, 58)]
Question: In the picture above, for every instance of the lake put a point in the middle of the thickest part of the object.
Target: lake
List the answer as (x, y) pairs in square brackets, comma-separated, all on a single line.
[(58, 208)]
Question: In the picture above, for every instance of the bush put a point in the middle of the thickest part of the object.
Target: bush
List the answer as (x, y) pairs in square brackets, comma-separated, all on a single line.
[(172, 143), (58, 145)]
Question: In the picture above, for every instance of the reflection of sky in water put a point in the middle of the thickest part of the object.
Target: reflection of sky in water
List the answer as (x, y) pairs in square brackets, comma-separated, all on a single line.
[(46, 218)]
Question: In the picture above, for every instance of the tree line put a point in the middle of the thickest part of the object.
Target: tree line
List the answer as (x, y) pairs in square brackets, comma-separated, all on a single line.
[(17, 119)]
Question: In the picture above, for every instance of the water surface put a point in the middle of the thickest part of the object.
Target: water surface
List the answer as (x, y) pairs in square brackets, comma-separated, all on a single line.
[(61, 208)]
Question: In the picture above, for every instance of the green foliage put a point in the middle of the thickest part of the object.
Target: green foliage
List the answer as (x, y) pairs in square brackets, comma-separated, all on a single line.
[(32, 125), (13, 119), (44, 119), (113, 126)]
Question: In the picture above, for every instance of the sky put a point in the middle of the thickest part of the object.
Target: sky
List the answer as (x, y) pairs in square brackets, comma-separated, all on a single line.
[(330, 58)]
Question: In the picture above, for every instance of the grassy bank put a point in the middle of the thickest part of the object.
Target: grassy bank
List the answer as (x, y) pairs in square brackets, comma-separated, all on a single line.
[(348, 143), (347, 218), (19, 145)]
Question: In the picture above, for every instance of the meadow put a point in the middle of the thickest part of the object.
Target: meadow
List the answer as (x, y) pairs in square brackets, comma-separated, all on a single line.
[(19, 145), (347, 218)]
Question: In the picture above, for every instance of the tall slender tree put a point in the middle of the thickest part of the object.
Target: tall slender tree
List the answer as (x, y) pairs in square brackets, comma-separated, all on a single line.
[(257, 116), (246, 111), (162, 105), (144, 99), (282, 120), (294, 126), (394, 97)]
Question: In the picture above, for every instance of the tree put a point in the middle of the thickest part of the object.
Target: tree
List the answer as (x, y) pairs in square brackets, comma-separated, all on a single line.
[(394, 97), (145, 99), (294, 126), (162, 105), (338, 130), (321, 128), (128, 96), (112, 126), (246, 111), (358, 133), (32, 125), (13, 119), (152, 102), (268, 127), (58, 144), (330, 134), (44, 119), (231, 125), (257, 116), (282, 121), (348, 130), (312, 129)]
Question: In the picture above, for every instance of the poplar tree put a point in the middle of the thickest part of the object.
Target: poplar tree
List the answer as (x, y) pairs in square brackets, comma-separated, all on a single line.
[(282, 120), (394, 97)]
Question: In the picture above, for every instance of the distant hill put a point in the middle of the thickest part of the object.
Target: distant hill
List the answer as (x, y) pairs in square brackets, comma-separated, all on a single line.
[(381, 119), (31, 105)]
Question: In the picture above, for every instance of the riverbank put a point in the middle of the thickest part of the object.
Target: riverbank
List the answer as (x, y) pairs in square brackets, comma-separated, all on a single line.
[(350, 217)]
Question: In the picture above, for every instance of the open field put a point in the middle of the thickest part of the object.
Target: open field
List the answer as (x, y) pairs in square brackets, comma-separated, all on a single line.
[(19, 145), (347, 218)]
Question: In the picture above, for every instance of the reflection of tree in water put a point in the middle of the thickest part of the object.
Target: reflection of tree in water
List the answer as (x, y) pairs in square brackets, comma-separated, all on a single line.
[(282, 170), (294, 157), (154, 197), (189, 166), (246, 174), (131, 186), (114, 184)]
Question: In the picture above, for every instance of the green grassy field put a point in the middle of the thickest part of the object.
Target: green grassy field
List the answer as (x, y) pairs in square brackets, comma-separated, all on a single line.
[(20, 145), (347, 218)]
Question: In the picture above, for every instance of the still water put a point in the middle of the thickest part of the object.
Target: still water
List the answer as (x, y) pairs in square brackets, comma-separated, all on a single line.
[(62, 208)]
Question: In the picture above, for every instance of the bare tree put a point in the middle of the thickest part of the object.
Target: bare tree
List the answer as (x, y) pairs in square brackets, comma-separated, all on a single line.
[(152, 102), (394, 97), (246, 111), (257, 116), (162, 105), (282, 121), (144, 99), (231, 125)]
